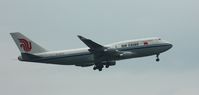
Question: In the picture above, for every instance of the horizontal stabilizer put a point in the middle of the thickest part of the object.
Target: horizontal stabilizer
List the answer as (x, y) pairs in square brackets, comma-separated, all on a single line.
[(29, 57)]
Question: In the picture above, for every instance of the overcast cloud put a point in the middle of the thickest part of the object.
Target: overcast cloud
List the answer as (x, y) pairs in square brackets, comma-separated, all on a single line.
[(54, 24)]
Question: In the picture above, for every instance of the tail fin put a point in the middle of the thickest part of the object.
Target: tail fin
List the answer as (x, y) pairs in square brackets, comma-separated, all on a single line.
[(26, 45)]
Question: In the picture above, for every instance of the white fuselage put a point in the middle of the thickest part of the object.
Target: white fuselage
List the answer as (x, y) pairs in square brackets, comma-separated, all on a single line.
[(83, 57)]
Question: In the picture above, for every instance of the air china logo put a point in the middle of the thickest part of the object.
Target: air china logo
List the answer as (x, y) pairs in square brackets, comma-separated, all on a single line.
[(25, 45)]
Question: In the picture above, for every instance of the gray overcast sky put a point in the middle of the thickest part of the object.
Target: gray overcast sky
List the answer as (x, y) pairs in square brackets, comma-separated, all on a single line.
[(55, 23)]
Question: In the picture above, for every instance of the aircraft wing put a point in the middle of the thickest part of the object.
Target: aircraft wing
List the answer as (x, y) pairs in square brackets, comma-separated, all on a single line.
[(91, 44), (100, 52), (103, 55)]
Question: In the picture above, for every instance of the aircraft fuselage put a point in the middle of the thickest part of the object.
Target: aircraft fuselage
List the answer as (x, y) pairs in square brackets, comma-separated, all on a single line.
[(82, 57), (96, 54)]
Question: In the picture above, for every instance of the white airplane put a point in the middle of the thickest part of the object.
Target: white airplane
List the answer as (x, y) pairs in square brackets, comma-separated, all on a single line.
[(96, 54)]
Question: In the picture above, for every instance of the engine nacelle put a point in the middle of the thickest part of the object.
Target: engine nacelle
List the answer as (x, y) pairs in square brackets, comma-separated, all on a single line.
[(126, 54), (110, 50)]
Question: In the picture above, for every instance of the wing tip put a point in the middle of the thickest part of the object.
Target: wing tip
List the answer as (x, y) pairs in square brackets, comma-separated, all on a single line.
[(80, 37)]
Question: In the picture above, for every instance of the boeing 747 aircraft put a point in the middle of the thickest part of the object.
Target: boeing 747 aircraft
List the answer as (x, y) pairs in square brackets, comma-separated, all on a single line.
[(98, 55)]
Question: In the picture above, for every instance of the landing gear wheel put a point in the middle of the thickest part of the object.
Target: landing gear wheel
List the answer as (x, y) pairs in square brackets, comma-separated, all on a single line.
[(158, 59), (94, 68), (100, 69), (107, 66)]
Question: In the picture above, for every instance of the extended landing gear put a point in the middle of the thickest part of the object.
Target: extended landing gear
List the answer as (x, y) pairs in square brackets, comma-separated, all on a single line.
[(158, 59), (101, 65), (94, 68), (98, 67), (107, 66)]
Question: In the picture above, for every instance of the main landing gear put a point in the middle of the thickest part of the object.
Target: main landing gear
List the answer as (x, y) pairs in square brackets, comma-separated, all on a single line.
[(107, 66), (98, 67), (158, 59)]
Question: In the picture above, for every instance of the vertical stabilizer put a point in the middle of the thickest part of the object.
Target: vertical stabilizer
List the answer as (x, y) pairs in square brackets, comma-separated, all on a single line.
[(26, 45)]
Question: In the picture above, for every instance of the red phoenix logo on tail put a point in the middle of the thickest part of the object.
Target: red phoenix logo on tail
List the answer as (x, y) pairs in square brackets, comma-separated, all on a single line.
[(25, 45)]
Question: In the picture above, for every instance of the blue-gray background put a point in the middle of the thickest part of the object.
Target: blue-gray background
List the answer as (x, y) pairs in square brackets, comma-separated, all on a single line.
[(55, 23)]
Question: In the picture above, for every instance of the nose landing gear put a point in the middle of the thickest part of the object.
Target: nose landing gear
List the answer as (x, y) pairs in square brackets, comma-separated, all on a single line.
[(158, 59)]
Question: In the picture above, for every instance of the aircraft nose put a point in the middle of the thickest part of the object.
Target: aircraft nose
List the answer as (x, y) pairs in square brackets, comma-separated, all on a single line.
[(169, 45)]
